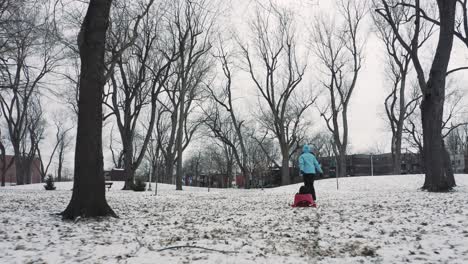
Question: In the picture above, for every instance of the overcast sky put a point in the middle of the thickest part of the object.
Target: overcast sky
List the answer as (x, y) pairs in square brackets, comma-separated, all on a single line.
[(367, 119), (367, 122)]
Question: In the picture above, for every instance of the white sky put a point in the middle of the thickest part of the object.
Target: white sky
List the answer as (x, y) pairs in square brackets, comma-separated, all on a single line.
[(367, 119)]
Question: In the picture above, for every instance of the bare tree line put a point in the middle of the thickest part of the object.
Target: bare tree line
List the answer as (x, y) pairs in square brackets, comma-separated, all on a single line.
[(167, 81)]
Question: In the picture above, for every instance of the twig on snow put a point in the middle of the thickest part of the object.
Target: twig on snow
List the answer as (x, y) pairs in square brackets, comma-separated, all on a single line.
[(197, 247)]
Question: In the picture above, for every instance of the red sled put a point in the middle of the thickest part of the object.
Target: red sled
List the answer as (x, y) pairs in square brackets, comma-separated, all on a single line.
[(304, 200)]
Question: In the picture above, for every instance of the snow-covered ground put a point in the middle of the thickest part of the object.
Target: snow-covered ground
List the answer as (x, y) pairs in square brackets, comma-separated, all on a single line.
[(383, 219)]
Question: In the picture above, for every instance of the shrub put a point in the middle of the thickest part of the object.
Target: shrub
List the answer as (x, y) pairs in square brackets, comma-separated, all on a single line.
[(139, 185), (49, 183)]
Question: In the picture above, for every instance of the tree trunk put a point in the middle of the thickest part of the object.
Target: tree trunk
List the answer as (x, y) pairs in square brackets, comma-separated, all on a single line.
[(285, 178), (396, 153), (129, 180), (432, 106), (128, 163), (19, 167), (155, 177), (60, 165), (179, 139), (28, 170), (431, 110), (448, 167), (88, 198), (342, 172), (169, 168)]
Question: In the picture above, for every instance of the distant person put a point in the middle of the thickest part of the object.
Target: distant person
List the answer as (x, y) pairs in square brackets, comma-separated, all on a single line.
[(309, 167)]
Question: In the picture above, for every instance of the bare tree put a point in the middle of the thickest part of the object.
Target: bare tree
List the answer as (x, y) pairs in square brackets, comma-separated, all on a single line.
[(35, 134), (44, 164), (321, 144), (221, 128), (141, 72), (30, 56), (262, 155), (223, 97), (399, 104), (438, 174), (191, 26), (63, 141), (339, 48), (117, 158), (277, 76), (88, 198)]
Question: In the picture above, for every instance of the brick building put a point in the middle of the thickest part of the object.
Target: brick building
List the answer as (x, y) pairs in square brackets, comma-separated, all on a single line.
[(10, 174)]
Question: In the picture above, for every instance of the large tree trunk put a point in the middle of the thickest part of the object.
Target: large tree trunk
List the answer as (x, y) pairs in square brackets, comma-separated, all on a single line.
[(28, 170), (432, 110), (448, 167), (285, 178), (128, 161), (88, 198), (396, 152), (19, 169), (437, 178), (342, 164)]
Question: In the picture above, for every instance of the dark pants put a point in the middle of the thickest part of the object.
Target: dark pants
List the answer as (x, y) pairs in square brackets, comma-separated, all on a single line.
[(309, 184)]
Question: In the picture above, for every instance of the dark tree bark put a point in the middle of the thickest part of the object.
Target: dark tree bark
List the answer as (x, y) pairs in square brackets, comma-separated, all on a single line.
[(88, 198)]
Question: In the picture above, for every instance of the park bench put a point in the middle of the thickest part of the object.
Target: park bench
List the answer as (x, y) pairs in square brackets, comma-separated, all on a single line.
[(108, 185)]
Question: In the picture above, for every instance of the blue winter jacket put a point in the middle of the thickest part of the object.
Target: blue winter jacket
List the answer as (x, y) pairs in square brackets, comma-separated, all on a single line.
[(308, 163)]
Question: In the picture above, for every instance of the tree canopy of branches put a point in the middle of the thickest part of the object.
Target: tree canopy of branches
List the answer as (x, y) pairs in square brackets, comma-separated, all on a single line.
[(400, 103), (28, 53), (272, 61), (191, 26), (140, 73), (438, 170), (339, 49), (229, 129)]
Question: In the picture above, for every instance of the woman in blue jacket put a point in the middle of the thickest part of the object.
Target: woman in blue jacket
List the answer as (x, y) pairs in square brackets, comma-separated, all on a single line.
[(309, 167)]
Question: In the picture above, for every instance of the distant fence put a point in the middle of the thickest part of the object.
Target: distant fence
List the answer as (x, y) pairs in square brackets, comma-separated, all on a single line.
[(381, 164)]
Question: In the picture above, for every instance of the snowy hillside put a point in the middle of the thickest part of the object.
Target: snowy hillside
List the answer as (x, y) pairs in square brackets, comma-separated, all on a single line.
[(383, 219)]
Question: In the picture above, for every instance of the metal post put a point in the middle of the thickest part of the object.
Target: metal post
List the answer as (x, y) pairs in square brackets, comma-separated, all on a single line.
[(372, 165)]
